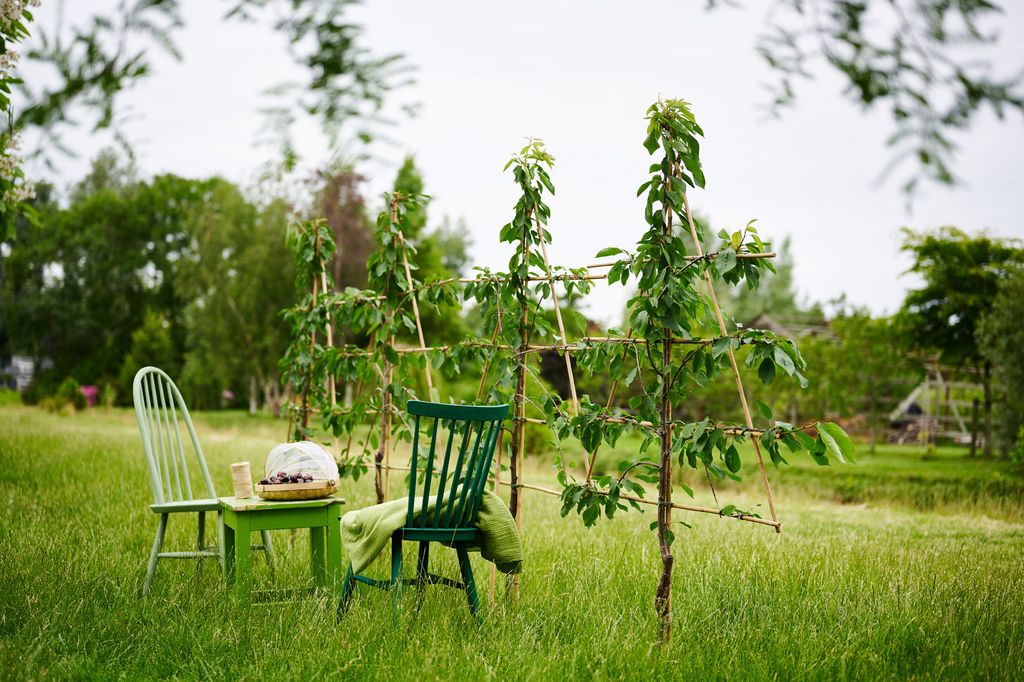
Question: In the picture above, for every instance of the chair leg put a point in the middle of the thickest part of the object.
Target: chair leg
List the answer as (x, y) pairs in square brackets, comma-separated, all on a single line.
[(268, 549), (467, 578), (220, 540), (154, 556), (422, 563), (422, 572), (396, 568), (348, 587), (200, 540)]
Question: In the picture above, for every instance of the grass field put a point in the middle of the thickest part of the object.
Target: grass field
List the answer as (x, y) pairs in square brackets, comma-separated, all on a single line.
[(908, 565)]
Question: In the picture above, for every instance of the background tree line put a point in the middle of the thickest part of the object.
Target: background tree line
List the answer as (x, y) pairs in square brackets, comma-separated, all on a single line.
[(189, 275)]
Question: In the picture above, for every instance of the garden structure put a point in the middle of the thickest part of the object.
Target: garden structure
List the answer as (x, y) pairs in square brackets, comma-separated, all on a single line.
[(677, 340)]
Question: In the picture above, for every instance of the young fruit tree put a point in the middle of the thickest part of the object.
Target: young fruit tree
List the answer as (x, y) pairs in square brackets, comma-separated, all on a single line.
[(677, 342)]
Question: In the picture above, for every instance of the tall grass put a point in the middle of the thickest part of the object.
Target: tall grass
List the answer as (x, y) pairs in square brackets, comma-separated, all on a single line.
[(875, 589)]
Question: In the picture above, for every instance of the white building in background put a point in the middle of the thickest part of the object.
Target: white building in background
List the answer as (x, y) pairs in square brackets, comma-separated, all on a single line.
[(18, 373)]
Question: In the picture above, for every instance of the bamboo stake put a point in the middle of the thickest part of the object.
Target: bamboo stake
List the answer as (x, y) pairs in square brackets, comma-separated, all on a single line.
[(331, 385), (640, 500), (741, 256), (735, 368), (312, 341), (416, 313), (533, 348), (386, 436), (493, 578), (497, 460), (591, 266), (607, 406), (565, 339)]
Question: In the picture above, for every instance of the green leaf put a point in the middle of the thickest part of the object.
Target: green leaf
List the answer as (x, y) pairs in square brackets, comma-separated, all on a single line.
[(766, 371), (609, 251), (764, 410), (840, 438), (725, 261), (830, 443), (784, 361), (651, 143), (732, 459), (720, 346)]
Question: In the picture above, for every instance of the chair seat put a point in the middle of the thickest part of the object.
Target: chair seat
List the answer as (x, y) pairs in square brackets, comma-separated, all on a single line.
[(443, 535), (208, 504)]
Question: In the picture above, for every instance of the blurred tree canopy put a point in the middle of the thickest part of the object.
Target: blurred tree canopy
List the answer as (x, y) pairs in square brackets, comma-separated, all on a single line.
[(1001, 336), (961, 274), (922, 60), (95, 62), (185, 274), (435, 254)]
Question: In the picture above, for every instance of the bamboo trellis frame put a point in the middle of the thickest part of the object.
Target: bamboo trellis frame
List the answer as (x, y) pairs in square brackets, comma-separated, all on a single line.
[(516, 482)]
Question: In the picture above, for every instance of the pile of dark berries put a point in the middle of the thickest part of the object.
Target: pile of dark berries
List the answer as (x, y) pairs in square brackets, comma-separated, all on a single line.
[(282, 477)]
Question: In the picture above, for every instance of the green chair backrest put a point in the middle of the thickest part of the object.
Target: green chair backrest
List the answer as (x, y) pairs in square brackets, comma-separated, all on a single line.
[(477, 428), (158, 408)]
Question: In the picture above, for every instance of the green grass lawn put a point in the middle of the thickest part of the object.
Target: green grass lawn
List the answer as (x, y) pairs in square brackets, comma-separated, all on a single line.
[(905, 565)]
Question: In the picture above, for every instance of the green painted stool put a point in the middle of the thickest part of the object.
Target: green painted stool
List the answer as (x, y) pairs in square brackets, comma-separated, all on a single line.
[(244, 515)]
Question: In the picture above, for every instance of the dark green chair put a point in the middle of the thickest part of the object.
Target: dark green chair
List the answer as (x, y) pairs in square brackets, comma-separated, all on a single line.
[(458, 486)]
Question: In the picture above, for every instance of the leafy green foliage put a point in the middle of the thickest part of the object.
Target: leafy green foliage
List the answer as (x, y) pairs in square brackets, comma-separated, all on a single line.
[(961, 274), (909, 56), (661, 357), (1001, 337), (101, 58), (15, 190)]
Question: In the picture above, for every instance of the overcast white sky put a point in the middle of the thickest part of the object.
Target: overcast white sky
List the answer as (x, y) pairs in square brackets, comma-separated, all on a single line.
[(580, 75)]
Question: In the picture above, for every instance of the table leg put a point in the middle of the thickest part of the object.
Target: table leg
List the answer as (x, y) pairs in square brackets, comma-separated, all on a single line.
[(316, 551), (243, 557), (227, 551), (334, 568)]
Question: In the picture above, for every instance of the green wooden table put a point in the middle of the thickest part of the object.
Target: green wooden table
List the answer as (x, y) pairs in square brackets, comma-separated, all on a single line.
[(247, 514)]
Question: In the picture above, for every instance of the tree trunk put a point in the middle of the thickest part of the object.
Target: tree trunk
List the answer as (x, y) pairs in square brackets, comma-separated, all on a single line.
[(663, 596), (974, 427), (872, 417), (987, 384), (254, 395), (519, 404)]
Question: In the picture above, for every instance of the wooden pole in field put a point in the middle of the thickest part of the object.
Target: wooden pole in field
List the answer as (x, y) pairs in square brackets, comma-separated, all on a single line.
[(497, 451), (416, 314), (561, 332), (312, 338), (735, 369), (497, 491), (331, 385)]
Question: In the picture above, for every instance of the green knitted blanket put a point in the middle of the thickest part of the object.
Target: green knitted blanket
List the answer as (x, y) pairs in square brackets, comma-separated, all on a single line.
[(366, 532)]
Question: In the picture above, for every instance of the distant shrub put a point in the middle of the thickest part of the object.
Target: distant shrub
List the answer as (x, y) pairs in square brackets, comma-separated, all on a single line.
[(108, 395), (70, 393), (9, 397), (33, 394), (537, 440)]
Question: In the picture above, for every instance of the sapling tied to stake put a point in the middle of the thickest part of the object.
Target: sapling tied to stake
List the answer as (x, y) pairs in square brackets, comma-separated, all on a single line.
[(666, 357)]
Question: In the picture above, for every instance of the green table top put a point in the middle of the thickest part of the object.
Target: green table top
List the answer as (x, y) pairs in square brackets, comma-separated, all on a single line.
[(246, 504)]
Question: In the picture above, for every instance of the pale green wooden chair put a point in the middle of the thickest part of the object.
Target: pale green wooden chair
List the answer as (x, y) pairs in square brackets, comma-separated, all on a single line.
[(160, 411)]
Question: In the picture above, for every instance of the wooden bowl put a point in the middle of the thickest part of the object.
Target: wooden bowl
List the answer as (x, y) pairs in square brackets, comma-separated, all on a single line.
[(313, 490)]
